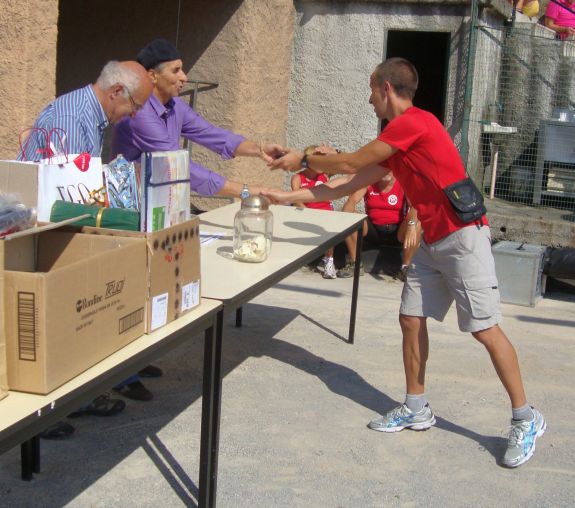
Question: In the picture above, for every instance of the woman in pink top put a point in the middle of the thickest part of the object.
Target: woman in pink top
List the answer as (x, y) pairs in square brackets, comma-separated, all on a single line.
[(560, 17)]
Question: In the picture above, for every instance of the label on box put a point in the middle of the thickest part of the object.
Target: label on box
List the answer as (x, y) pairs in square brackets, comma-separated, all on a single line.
[(159, 311), (190, 295)]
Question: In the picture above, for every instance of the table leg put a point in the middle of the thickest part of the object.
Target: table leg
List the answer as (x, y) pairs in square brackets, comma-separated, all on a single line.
[(239, 315), (36, 452), (30, 457), (355, 284), (211, 404)]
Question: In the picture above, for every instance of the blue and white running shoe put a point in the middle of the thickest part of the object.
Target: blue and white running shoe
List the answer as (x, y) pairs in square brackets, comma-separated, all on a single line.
[(403, 418), (522, 437)]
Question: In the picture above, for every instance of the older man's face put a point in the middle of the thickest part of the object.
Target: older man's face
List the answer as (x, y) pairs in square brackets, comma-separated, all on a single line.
[(169, 80), (126, 102)]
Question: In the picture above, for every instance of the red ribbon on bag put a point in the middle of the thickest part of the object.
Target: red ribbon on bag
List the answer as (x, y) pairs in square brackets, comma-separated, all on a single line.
[(24, 139), (82, 162)]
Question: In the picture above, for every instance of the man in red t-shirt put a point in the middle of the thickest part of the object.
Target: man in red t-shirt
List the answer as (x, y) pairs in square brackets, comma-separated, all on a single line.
[(454, 261)]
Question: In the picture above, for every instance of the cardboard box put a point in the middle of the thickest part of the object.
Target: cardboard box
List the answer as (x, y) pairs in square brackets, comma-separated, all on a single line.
[(3, 367), (20, 178), (173, 270), (70, 300)]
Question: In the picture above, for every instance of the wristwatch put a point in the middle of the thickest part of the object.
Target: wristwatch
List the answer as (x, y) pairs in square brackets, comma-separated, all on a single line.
[(411, 223), (245, 192), (303, 163)]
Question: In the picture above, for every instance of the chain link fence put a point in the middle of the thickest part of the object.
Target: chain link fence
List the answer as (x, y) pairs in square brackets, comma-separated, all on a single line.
[(522, 123)]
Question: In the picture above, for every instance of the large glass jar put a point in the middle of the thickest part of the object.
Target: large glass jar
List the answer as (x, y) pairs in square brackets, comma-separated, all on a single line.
[(253, 230)]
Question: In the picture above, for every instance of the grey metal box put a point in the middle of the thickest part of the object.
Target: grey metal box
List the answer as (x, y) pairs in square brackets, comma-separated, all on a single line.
[(519, 268)]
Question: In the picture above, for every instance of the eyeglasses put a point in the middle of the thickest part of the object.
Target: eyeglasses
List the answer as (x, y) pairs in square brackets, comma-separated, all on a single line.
[(134, 105)]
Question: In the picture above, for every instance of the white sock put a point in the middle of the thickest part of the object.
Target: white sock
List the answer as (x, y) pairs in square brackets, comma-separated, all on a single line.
[(415, 403)]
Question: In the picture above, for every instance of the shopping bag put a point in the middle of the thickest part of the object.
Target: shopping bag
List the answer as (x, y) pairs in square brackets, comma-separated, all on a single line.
[(75, 178)]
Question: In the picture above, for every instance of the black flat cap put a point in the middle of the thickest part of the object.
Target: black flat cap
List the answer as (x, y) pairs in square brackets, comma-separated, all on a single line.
[(156, 52)]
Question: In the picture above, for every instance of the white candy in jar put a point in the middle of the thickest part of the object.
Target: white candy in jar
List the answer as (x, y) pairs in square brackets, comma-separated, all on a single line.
[(253, 249)]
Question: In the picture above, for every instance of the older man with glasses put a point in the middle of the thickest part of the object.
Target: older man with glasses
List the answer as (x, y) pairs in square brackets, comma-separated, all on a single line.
[(83, 114), (81, 117)]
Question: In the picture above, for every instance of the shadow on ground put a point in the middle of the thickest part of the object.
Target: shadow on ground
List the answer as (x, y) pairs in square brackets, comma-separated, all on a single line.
[(100, 444)]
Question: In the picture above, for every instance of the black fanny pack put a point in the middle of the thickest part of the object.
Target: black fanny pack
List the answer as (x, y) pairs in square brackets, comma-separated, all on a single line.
[(466, 199)]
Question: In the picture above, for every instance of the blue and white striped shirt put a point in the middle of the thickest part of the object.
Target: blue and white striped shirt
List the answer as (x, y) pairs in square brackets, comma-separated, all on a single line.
[(80, 115)]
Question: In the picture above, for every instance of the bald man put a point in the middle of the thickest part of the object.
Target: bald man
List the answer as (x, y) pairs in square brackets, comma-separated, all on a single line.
[(82, 115)]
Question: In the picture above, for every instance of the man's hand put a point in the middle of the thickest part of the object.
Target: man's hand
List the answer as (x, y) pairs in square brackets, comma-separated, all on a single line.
[(256, 190), (411, 237), (291, 161), (271, 151), (277, 197)]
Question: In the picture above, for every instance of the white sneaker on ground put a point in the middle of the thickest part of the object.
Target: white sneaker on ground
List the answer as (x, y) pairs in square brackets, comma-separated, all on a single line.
[(403, 418), (329, 271), (522, 437)]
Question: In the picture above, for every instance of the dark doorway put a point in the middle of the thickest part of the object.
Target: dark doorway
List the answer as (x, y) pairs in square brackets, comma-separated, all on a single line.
[(429, 52)]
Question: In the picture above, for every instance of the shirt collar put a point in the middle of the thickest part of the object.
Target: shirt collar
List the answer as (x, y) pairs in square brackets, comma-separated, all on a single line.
[(162, 110), (101, 119)]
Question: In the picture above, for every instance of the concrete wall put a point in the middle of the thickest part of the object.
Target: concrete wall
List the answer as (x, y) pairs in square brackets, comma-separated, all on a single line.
[(28, 32), (336, 47)]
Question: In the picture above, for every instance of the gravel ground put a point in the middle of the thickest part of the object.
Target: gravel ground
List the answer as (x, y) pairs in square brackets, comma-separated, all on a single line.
[(296, 401)]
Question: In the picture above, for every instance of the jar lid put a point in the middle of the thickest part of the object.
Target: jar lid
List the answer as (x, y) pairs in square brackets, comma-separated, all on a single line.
[(255, 203)]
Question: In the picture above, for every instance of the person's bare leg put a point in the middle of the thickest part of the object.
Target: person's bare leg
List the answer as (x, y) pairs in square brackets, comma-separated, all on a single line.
[(505, 361), (415, 352), (350, 243)]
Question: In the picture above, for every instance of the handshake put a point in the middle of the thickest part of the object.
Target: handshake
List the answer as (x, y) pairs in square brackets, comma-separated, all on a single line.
[(291, 160), (294, 161)]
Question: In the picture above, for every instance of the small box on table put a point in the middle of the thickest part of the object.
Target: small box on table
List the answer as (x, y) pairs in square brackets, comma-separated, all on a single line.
[(173, 269)]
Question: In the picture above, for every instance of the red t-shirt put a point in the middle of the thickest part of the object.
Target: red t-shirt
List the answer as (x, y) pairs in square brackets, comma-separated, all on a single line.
[(320, 179), (425, 163), (385, 207)]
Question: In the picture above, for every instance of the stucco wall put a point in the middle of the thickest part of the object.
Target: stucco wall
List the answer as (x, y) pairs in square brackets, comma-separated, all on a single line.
[(28, 33), (336, 47), (250, 58), (244, 45)]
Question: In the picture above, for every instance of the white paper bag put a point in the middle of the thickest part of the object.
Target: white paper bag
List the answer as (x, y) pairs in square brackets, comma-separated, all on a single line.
[(76, 178), (65, 181)]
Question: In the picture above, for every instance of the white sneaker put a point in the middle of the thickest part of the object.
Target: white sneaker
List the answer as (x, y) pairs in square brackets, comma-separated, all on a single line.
[(522, 437), (329, 271), (403, 418)]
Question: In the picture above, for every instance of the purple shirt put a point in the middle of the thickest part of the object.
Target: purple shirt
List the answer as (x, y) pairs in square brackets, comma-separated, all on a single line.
[(158, 127)]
